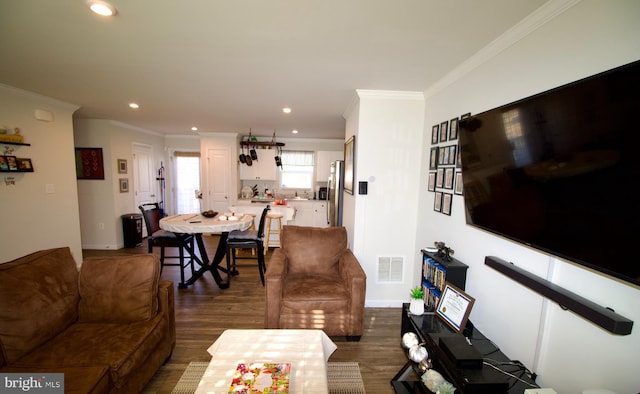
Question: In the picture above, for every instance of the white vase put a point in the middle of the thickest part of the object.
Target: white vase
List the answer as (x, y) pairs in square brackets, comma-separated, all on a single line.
[(416, 307)]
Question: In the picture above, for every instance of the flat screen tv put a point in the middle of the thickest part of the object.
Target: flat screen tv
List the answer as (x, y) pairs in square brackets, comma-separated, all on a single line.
[(558, 171)]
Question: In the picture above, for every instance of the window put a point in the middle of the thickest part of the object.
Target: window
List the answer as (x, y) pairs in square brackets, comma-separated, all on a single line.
[(297, 170), (187, 166)]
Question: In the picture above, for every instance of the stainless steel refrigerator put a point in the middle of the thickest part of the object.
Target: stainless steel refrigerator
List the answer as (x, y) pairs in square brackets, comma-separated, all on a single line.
[(334, 192)]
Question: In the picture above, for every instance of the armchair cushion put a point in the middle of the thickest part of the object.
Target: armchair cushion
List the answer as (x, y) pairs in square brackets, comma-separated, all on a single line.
[(313, 250), (118, 289)]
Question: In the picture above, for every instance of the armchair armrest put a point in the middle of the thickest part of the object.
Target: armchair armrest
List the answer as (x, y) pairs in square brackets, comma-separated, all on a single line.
[(355, 281), (273, 283)]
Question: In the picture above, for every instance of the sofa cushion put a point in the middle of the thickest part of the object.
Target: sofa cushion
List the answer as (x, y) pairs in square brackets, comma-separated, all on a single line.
[(313, 250), (303, 294), (122, 347), (119, 289), (38, 300)]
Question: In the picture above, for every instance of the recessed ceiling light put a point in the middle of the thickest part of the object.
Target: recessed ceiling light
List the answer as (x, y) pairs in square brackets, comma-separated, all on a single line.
[(194, 128), (294, 131), (286, 110), (101, 7), (133, 106)]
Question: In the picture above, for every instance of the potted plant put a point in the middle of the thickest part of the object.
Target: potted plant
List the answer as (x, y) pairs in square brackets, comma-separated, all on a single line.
[(416, 306)]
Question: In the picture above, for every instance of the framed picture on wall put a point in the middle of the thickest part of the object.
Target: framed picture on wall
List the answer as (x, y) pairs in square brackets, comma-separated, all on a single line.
[(433, 158), (122, 166), (437, 202), (446, 203), (349, 173), (448, 178), (431, 186), (89, 164), (458, 188), (434, 134), (453, 129), (444, 131), (124, 185)]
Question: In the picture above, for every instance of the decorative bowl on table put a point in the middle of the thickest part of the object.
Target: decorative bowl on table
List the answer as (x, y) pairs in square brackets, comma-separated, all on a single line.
[(209, 213)]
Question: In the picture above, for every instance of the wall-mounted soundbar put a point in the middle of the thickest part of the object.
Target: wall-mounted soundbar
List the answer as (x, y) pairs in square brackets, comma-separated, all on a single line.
[(599, 315)]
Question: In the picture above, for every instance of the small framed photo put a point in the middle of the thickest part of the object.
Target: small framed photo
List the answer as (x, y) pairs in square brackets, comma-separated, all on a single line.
[(453, 129), (431, 186), (444, 131), (465, 116), (12, 163), (452, 154), (458, 188), (435, 134), (454, 307), (444, 155), (122, 166), (440, 177), (24, 165), (433, 158), (4, 165), (458, 158), (448, 178), (437, 202), (446, 203), (124, 185)]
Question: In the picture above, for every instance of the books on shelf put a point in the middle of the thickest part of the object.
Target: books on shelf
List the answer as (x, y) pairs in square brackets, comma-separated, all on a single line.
[(261, 377)]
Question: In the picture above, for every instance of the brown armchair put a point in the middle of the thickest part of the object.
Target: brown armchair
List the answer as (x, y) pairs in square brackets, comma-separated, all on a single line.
[(314, 281)]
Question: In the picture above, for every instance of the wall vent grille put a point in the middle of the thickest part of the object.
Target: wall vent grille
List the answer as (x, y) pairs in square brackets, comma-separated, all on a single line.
[(390, 269)]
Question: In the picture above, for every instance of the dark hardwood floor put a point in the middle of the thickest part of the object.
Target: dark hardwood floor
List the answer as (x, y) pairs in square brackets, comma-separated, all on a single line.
[(203, 312)]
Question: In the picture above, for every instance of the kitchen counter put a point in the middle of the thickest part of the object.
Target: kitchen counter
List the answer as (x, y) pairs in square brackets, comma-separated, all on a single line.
[(246, 206)]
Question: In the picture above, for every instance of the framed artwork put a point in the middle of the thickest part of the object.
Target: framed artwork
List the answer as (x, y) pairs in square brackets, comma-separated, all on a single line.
[(124, 185), (431, 184), (435, 134), (122, 166), (446, 203), (452, 154), (24, 165), (440, 177), (89, 163), (458, 158), (465, 116), (12, 163), (4, 165), (444, 131), (444, 155), (448, 178), (349, 173), (453, 129), (437, 202), (433, 158), (454, 307), (458, 188)]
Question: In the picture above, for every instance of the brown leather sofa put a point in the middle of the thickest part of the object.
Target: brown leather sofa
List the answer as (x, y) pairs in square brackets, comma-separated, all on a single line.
[(108, 326), (314, 281)]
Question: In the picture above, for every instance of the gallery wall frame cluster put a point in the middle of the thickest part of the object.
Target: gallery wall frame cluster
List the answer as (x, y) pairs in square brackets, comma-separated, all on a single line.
[(445, 167)]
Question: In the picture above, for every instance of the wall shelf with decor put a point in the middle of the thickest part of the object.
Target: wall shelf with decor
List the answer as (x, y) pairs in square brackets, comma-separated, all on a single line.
[(9, 163)]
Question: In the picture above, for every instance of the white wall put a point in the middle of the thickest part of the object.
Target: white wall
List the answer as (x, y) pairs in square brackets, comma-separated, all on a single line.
[(568, 352), (388, 128), (32, 218)]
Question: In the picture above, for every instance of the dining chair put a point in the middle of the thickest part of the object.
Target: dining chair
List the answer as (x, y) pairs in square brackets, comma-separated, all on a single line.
[(247, 239), (166, 239)]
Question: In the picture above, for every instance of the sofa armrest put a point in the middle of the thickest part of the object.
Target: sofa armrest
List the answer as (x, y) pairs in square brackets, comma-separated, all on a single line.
[(166, 306), (355, 281), (273, 283)]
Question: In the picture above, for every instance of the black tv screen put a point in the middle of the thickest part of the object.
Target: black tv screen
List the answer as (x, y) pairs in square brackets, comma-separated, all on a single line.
[(558, 171)]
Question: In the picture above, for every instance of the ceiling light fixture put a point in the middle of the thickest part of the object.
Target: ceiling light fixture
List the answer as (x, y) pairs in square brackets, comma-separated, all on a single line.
[(194, 128), (133, 106), (286, 110), (294, 131), (101, 7)]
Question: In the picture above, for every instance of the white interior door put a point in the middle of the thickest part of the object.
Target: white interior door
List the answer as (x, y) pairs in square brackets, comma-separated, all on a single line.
[(144, 184), (218, 183)]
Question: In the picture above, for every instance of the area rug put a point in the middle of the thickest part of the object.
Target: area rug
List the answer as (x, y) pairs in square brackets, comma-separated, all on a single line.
[(343, 378)]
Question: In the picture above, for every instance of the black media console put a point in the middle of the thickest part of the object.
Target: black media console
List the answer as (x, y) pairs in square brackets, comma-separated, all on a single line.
[(466, 373)]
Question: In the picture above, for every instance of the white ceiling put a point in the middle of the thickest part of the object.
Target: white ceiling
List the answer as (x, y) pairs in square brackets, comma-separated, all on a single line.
[(231, 66)]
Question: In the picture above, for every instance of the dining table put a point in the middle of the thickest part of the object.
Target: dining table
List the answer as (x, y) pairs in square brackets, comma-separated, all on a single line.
[(199, 225)]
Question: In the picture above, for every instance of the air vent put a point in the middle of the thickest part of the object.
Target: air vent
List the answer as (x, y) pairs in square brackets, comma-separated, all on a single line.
[(390, 269)]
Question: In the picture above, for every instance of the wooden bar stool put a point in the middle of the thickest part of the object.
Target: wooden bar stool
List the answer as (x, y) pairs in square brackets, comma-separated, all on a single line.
[(277, 230)]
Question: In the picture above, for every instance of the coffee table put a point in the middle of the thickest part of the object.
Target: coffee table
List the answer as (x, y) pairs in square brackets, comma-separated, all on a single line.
[(307, 350)]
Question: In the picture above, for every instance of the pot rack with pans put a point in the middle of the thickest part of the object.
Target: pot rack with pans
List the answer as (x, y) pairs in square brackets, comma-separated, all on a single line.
[(251, 143)]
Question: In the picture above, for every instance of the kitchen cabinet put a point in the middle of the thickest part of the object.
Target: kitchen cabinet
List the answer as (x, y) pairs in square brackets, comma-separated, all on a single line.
[(324, 158), (311, 213), (262, 169)]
